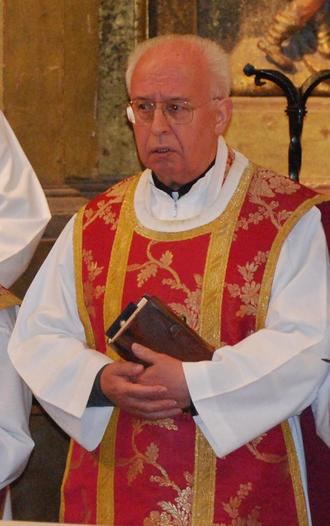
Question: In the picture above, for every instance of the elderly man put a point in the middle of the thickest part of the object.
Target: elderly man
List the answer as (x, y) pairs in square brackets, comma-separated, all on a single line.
[(24, 213), (234, 248)]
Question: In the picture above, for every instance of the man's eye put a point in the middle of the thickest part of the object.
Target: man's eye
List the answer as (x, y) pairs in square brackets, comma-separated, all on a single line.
[(145, 106), (176, 107)]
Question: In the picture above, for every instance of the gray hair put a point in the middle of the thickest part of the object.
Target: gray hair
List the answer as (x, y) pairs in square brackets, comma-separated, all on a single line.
[(216, 59)]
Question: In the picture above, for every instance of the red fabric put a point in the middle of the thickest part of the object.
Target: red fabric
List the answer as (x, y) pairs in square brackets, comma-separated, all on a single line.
[(325, 211), (79, 491), (318, 470)]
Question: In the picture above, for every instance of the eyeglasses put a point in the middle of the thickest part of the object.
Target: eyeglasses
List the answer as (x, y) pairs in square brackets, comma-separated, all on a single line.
[(142, 111)]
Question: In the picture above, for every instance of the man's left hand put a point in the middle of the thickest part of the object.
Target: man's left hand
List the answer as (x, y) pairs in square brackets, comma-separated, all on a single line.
[(163, 370)]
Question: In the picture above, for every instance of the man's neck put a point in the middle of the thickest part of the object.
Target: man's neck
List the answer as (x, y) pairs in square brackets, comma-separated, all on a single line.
[(178, 191)]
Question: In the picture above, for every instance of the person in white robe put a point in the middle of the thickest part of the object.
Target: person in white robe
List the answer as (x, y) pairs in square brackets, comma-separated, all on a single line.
[(50, 331), (24, 214), (50, 337)]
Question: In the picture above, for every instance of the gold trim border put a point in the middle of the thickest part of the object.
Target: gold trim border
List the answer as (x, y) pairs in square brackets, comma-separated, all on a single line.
[(64, 479), (212, 296), (112, 308), (77, 258), (105, 506), (299, 495)]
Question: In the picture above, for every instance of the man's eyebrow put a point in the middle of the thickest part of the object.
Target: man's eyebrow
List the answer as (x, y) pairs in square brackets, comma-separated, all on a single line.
[(168, 99)]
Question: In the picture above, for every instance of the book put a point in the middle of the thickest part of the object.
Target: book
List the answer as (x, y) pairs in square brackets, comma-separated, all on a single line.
[(153, 324)]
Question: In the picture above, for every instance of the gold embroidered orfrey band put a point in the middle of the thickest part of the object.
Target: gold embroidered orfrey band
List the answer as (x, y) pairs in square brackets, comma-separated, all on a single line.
[(65, 476), (112, 309), (294, 469), (222, 233), (204, 482), (78, 258), (119, 258), (105, 505)]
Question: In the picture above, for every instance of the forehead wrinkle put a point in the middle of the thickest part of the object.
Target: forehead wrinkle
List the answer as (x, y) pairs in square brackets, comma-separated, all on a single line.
[(167, 86), (164, 72)]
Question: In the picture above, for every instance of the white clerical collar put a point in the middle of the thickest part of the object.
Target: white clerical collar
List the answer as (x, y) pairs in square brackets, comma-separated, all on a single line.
[(206, 199)]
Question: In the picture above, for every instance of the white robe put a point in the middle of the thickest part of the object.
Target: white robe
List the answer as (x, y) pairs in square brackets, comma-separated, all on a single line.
[(24, 214), (247, 388)]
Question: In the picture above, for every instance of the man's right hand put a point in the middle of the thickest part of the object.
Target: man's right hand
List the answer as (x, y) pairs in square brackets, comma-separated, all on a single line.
[(117, 382)]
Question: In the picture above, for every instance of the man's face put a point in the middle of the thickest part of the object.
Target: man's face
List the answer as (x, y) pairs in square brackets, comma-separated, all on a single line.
[(177, 153)]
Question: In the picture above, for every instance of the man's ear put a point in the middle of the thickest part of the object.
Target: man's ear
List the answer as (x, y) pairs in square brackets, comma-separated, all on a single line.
[(224, 111)]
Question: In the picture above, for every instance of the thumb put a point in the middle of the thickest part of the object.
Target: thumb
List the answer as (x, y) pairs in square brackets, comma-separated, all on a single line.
[(144, 353)]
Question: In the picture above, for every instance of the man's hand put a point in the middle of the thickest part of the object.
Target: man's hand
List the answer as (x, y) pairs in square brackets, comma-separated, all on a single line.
[(164, 370), (118, 382)]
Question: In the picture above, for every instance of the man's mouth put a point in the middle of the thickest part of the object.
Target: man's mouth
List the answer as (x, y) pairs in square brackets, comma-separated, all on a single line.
[(161, 150)]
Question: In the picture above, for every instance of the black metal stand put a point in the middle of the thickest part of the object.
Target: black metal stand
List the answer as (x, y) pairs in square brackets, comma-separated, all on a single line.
[(296, 108)]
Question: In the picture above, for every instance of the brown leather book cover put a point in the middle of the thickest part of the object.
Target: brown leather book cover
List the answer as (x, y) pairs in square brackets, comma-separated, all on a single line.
[(153, 324)]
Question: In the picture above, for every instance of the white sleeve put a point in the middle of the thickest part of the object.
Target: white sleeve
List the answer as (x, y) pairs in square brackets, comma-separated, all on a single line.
[(24, 211), (48, 348), (274, 373), (15, 405)]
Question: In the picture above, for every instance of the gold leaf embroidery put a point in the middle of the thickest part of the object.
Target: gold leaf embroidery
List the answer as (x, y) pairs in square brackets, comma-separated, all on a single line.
[(173, 513), (189, 310), (178, 514), (270, 458), (166, 258), (249, 291), (92, 267), (264, 186), (93, 270), (135, 469), (282, 185), (104, 209), (146, 273), (152, 453), (232, 509)]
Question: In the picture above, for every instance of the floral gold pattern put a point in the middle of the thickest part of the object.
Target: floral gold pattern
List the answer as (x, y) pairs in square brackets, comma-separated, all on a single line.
[(232, 509), (91, 292), (176, 512), (104, 207), (249, 292), (189, 310), (262, 192), (271, 458)]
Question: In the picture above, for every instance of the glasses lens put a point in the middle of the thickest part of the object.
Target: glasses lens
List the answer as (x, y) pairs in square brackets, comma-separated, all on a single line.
[(143, 109), (179, 111)]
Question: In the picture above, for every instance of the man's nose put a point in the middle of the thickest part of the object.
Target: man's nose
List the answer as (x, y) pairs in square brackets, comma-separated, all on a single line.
[(159, 123)]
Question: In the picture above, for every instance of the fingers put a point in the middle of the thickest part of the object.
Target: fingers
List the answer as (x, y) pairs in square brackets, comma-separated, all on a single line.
[(149, 402), (119, 382), (122, 368), (153, 410)]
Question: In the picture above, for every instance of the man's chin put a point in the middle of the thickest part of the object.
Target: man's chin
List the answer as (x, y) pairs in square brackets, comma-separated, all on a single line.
[(168, 178)]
